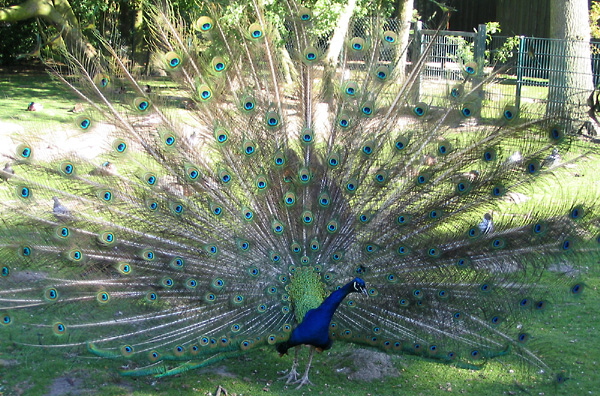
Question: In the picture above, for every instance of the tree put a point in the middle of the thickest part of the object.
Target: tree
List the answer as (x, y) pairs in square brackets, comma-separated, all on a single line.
[(571, 81), (58, 13)]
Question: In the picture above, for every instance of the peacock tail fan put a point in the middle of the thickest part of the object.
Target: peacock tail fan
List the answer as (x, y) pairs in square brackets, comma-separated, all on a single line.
[(288, 179)]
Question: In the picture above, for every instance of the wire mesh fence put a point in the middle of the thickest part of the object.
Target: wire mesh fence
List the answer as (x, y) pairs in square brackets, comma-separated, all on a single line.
[(538, 76)]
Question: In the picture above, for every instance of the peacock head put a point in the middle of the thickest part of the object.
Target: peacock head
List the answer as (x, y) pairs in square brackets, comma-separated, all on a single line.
[(359, 286)]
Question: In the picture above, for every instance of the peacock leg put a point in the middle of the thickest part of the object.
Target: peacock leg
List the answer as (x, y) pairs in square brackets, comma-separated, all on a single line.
[(304, 380), (292, 375)]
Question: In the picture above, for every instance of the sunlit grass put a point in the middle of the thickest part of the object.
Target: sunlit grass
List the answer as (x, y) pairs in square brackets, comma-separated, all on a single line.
[(566, 332)]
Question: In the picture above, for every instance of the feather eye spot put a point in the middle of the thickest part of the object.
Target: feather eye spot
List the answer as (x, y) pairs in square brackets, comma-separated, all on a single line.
[(205, 94), (523, 338), (210, 297), (488, 156), (25, 192), (152, 297), (532, 167), (103, 297), (238, 299), (577, 212), (51, 294), (59, 329), (419, 111), (191, 283), (25, 251), (498, 243), (219, 66), (177, 263), (143, 105), (279, 161), (577, 289), (170, 140), (25, 152), (85, 123), (498, 191)]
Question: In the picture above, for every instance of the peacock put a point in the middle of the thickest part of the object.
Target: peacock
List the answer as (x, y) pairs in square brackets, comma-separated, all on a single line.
[(286, 198)]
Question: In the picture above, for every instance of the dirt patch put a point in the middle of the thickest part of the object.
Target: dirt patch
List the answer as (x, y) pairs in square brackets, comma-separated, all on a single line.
[(367, 365)]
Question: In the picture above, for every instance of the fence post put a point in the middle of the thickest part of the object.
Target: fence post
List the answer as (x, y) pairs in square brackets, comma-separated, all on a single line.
[(479, 50), (479, 58), (520, 62), (417, 50)]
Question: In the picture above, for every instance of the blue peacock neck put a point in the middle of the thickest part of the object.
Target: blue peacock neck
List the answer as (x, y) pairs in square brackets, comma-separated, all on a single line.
[(314, 328)]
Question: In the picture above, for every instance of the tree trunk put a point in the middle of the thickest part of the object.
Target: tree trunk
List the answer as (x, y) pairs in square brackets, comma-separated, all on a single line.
[(404, 10), (337, 41), (570, 80)]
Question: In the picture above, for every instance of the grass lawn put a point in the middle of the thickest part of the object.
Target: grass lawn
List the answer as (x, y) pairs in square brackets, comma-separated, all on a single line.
[(568, 331)]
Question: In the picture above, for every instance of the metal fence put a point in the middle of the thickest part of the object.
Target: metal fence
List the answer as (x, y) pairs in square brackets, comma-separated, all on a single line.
[(532, 76)]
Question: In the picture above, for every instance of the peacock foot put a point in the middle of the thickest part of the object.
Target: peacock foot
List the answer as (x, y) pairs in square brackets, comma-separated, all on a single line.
[(291, 377), (303, 381)]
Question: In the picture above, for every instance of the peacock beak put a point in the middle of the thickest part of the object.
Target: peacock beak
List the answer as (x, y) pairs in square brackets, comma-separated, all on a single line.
[(362, 290)]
